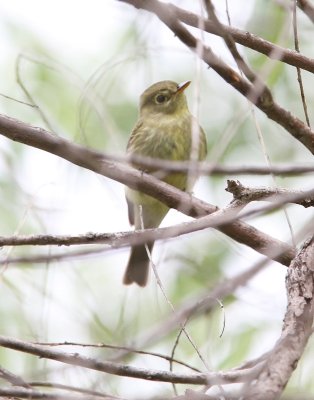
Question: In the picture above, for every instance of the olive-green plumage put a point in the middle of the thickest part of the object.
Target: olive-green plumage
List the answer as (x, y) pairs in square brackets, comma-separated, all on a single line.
[(165, 130)]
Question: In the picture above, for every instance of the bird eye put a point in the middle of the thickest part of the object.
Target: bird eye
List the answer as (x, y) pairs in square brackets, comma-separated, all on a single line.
[(160, 98)]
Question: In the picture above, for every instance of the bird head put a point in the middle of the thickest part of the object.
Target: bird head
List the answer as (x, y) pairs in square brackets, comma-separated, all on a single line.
[(164, 98)]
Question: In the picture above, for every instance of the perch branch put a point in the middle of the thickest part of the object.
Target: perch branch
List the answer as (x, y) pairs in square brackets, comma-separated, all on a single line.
[(221, 218), (174, 198)]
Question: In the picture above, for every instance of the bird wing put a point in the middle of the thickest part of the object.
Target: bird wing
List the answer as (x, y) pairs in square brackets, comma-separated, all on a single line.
[(135, 132), (130, 211)]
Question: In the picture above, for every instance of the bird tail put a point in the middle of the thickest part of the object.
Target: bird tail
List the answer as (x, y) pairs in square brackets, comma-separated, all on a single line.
[(138, 265)]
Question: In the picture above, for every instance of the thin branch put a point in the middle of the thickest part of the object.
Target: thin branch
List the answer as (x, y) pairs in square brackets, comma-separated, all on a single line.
[(307, 7), (15, 380), (36, 394), (296, 330), (174, 198), (123, 348), (297, 48), (207, 168), (126, 370), (247, 39), (55, 385), (175, 345), (254, 361), (269, 163), (247, 194), (287, 170), (230, 43), (192, 308), (227, 12), (221, 220), (18, 101), (28, 95), (50, 257), (262, 99)]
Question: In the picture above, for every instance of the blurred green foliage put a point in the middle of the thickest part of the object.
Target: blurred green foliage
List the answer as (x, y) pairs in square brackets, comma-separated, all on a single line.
[(277, 17), (94, 101)]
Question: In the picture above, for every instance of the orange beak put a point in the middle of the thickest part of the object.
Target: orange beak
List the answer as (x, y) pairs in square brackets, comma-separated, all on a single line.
[(182, 86)]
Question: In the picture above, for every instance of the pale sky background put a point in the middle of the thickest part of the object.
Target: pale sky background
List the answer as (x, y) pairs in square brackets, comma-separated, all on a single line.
[(75, 31)]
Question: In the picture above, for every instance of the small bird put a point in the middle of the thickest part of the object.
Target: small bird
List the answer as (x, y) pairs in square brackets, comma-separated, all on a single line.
[(164, 130)]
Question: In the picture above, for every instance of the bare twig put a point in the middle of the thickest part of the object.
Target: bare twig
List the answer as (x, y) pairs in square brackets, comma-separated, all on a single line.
[(247, 194), (176, 342), (223, 217), (195, 307), (126, 370), (248, 39), (307, 7), (36, 394), (221, 220), (207, 168), (68, 388), (15, 380), (50, 257), (297, 48), (27, 93), (254, 361), (227, 12), (174, 198), (230, 43), (18, 101), (123, 348)]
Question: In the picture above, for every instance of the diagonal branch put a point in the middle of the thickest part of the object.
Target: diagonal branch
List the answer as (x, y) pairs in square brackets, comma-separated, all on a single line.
[(194, 307), (212, 378), (260, 96), (307, 7), (174, 198), (297, 329), (218, 219), (15, 380), (230, 43), (246, 39)]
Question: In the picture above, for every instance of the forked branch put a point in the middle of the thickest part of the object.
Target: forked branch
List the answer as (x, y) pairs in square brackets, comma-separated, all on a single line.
[(174, 198)]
